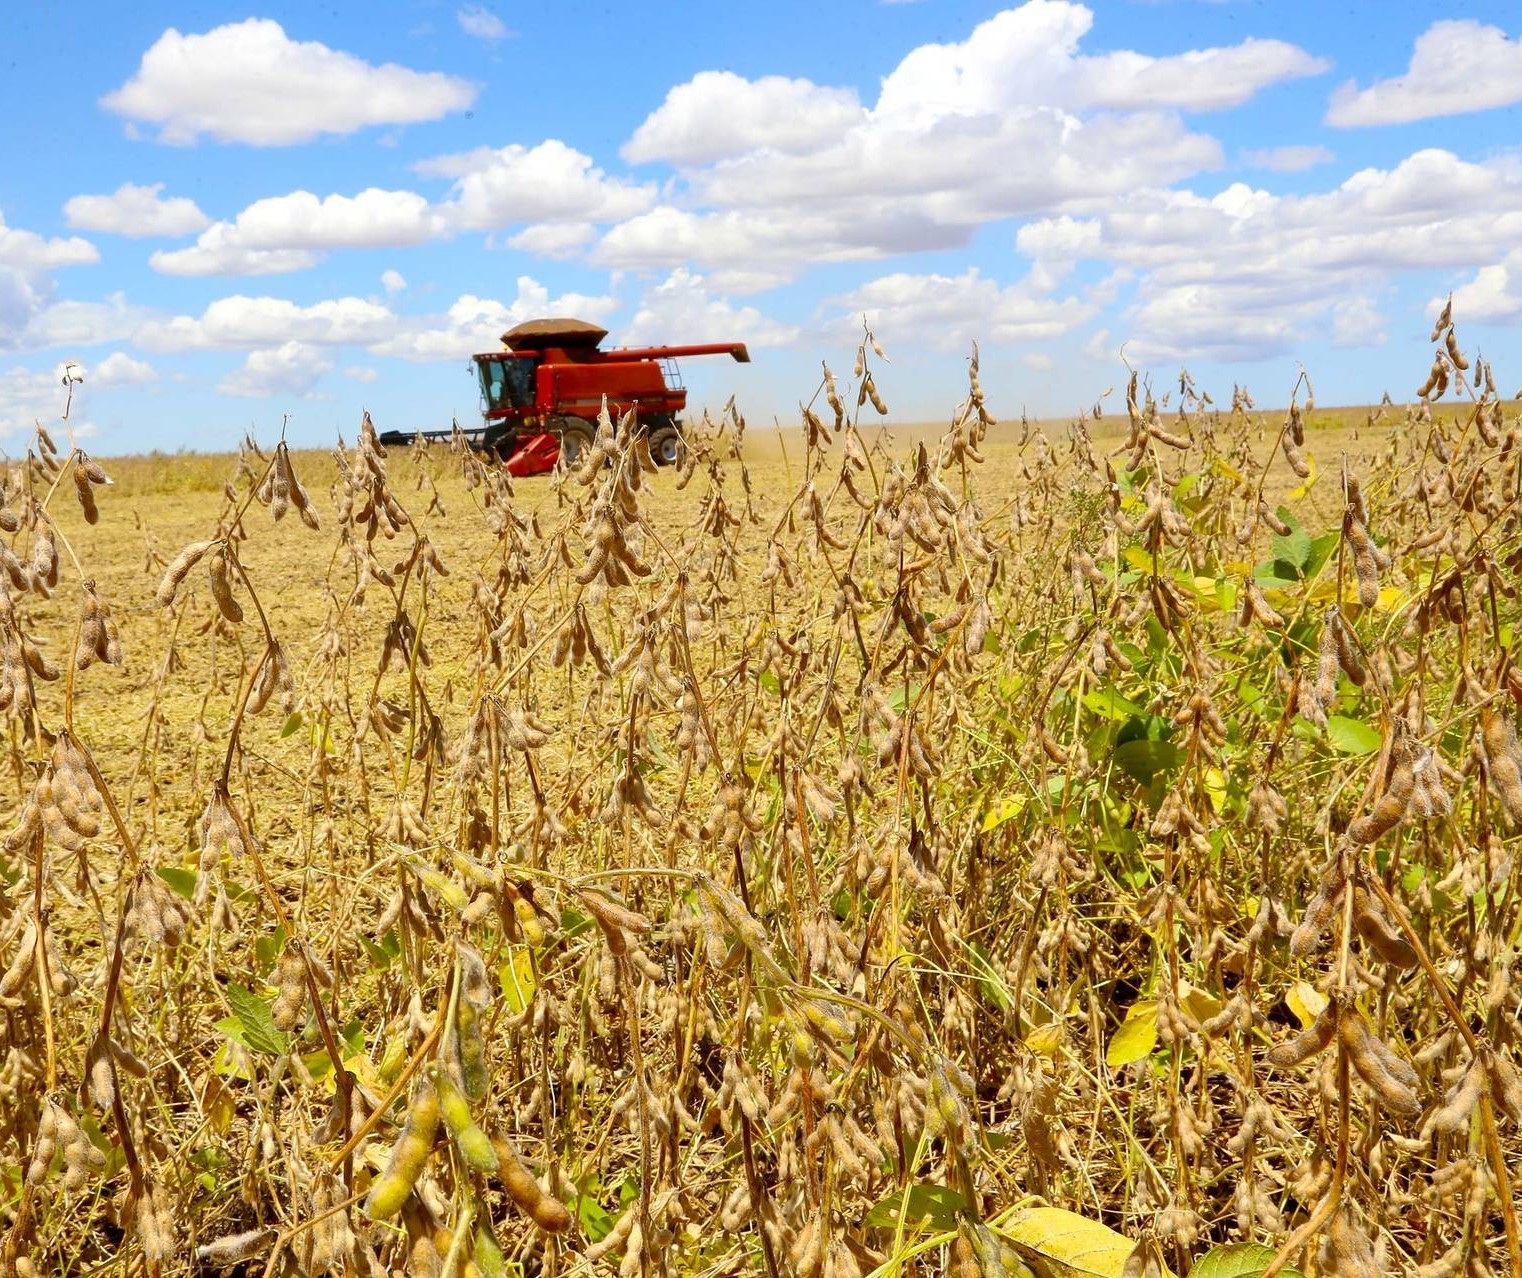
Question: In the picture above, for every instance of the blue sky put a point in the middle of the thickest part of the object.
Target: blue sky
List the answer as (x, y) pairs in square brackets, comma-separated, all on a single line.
[(230, 216)]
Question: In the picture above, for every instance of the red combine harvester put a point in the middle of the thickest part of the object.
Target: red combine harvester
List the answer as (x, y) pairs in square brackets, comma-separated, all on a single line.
[(548, 382)]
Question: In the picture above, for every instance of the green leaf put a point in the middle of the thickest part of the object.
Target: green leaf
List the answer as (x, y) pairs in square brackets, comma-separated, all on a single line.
[(1295, 548), (269, 948), (1276, 574), (293, 722), (1109, 703), (383, 955), (181, 882), (1072, 1245), (1237, 1260), (990, 978), (922, 1202), (257, 1023), (1351, 736), (1136, 1037), (1321, 550), (595, 1222), (1143, 758), (770, 682)]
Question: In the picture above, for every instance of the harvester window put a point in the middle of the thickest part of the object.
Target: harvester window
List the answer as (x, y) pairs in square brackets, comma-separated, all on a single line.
[(508, 383)]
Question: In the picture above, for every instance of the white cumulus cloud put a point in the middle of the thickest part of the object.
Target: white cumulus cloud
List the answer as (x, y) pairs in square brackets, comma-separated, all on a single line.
[(951, 312), (31, 254), (1493, 295), (1287, 159), (550, 182), (137, 212), (718, 114), (72, 324), (1247, 274), (120, 369), (286, 232), (1457, 66), (290, 369), (249, 82), (1029, 56), (393, 281), (479, 21), (1014, 120), (474, 324), (682, 308), (239, 322), (26, 286), (29, 396), (553, 239)]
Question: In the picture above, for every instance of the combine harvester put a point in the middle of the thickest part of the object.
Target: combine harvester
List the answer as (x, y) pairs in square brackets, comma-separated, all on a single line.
[(541, 393)]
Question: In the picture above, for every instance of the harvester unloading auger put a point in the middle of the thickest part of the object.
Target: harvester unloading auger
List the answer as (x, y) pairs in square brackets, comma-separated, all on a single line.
[(548, 382)]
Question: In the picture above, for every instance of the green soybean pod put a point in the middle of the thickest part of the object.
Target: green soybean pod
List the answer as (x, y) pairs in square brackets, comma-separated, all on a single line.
[(474, 1145), (408, 1156), (472, 1047)]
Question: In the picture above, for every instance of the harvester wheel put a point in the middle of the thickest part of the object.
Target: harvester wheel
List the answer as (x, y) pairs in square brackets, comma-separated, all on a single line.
[(665, 446), (575, 438)]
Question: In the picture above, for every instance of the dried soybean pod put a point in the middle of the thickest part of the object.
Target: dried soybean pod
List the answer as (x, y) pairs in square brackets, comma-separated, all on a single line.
[(1459, 1103), (1347, 656), (1327, 663), (1310, 1040), (86, 496), (1345, 1252), (1368, 560), (179, 568), (222, 588), (615, 919), (1272, 521), (394, 1185), (1390, 808), (474, 1144), (1391, 1079), (291, 1001), (1503, 759), (548, 1213), (45, 1146), (1319, 910), (1506, 1087), (1376, 930), (231, 1248)]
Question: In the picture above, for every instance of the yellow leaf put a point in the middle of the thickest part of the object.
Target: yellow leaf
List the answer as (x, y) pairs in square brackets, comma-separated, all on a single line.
[(517, 976), (1046, 1040), (1197, 1003), (1215, 787), (1305, 1001), (392, 1059), (1072, 1246), (1003, 810), (1136, 1037), (1230, 472)]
